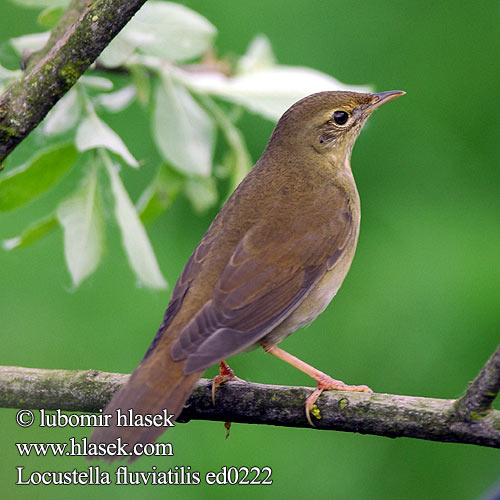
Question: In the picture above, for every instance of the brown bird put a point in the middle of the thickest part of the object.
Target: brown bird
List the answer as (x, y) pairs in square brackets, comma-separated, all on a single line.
[(269, 263)]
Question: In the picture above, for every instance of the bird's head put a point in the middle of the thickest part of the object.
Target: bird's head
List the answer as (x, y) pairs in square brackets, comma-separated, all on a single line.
[(328, 122)]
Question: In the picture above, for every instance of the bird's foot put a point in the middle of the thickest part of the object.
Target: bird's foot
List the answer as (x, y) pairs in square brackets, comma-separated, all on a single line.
[(225, 374), (326, 383)]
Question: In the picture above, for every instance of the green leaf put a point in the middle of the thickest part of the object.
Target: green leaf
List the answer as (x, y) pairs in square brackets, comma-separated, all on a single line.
[(51, 16), (135, 240), (40, 4), (40, 173), (81, 218), (35, 41), (183, 132), (259, 56), (239, 160), (96, 82), (202, 193), (117, 52), (141, 81), (264, 88), (170, 31), (32, 233), (9, 56), (238, 163), (6, 75), (242, 162), (160, 194), (116, 101), (64, 115), (94, 133)]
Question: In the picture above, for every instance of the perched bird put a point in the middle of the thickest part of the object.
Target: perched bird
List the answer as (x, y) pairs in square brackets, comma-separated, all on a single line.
[(269, 263)]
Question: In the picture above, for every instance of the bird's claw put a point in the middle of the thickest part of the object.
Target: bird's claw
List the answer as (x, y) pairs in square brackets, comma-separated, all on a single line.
[(225, 374), (326, 383)]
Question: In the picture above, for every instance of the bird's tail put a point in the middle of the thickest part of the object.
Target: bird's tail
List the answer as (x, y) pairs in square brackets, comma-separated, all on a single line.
[(157, 384)]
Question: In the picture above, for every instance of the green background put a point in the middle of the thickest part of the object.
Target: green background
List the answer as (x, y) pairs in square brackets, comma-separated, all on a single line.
[(418, 313)]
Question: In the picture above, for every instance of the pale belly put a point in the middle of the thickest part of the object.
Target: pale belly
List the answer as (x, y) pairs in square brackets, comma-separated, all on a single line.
[(315, 302)]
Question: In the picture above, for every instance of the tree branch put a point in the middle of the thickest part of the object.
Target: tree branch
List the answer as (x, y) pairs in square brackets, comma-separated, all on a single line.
[(71, 49), (379, 414), (481, 392)]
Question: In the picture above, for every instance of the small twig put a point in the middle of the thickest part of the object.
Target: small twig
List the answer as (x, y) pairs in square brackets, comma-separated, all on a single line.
[(477, 400), (379, 414), (26, 102)]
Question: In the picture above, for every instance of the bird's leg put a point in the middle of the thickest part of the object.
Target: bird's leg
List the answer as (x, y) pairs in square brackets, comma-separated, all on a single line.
[(324, 381), (225, 374)]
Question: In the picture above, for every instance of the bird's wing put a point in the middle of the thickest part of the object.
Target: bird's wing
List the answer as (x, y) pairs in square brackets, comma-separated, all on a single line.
[(192, 268), (268, 275)]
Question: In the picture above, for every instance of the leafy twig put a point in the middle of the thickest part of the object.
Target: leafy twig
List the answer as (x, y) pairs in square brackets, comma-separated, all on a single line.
[(24, 105)]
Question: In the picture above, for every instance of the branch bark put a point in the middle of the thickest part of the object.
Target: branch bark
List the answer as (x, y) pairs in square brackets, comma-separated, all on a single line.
[(81, 35), (379, 414), (482, 391)]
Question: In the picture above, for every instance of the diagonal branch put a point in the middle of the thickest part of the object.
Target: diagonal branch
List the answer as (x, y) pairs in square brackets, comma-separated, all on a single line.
[(53, 71), (379, 414), (482, 391)]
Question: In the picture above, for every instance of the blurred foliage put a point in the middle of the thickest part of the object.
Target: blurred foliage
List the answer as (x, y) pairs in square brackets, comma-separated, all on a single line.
[(419, 311), (166, 51)]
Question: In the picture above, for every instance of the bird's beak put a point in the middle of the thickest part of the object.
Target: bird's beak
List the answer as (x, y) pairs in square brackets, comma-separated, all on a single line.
[(383, 97)]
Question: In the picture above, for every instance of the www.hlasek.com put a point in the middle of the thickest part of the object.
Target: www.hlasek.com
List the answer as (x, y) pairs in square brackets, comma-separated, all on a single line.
[(83, 448), (93, 475)]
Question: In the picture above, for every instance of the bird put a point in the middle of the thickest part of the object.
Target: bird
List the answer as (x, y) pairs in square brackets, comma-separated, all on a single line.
[(270, 262)]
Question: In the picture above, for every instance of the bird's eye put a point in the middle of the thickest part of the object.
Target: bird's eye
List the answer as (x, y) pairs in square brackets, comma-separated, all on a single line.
[(340, 117)]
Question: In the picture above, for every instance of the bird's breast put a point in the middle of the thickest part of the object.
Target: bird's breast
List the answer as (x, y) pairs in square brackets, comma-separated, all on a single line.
[(317, 299)]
